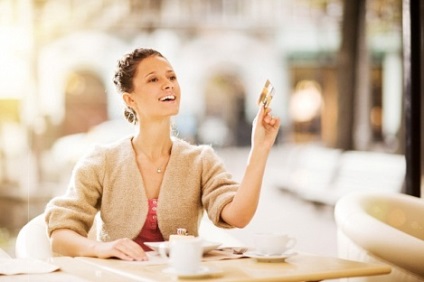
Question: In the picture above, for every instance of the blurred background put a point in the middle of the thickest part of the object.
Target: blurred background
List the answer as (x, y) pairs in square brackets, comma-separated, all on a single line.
[(336, 65)]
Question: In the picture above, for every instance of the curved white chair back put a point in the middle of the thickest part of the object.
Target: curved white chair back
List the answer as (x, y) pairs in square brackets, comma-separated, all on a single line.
[(383, 227), (32, 240)]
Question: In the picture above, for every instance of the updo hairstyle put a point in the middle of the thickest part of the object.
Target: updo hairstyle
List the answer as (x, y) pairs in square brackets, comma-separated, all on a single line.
[(125, 73)]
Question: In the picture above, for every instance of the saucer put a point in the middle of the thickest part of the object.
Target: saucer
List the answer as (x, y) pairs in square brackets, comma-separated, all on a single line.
[(268, 258), (204, 272)]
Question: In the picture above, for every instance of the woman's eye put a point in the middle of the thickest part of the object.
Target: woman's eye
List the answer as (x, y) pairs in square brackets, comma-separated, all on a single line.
[(174, 77), (153, 79)]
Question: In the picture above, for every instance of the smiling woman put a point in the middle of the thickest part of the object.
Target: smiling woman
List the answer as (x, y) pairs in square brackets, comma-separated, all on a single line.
[(148, 185), (133, 79)]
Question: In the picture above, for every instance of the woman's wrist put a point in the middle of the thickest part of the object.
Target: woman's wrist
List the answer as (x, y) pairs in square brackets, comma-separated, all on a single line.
[(93, 249), (258, 155), (260, 150)]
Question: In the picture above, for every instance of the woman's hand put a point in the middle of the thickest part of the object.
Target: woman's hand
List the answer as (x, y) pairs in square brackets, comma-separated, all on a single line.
[(241, 210), (265, 128), (125, 249), (69, 243)]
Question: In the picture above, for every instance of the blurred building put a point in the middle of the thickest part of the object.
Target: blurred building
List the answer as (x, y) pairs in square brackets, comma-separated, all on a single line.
[(57, 60)]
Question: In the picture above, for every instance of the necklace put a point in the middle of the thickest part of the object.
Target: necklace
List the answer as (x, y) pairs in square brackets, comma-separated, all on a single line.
[(158, 169)]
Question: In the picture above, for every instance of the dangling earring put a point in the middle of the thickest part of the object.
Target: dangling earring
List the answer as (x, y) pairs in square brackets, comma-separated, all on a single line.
[(130, 115)]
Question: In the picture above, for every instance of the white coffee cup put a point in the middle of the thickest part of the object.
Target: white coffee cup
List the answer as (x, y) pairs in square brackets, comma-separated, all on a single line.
[(272, 244), (184, 255)]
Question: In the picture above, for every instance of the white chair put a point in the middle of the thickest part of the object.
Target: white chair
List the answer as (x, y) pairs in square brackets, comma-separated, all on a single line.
[(383, 227), (366, 171), (32, 240), (315, 172)]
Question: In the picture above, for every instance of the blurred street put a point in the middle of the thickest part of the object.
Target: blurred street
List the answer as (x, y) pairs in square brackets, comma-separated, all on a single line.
[(278, 211)]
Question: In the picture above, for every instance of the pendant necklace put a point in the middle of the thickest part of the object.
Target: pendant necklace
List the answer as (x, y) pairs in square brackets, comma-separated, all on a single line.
[(158, 169)]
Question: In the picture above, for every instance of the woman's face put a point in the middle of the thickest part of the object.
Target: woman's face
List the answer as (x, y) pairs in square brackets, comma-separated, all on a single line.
[(156, 91)]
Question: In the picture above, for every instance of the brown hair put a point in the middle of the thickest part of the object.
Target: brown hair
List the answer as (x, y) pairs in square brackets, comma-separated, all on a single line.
[(125, 73)]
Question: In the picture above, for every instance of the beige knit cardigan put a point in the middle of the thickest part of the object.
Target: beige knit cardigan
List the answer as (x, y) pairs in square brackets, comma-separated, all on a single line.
[(107, 181)]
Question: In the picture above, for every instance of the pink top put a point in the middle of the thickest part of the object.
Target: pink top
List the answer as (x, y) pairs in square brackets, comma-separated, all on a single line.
[(150, 231)]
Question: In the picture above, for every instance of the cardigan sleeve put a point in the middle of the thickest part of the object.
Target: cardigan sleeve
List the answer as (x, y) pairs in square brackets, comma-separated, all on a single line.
[(76, 209), (218, 187)]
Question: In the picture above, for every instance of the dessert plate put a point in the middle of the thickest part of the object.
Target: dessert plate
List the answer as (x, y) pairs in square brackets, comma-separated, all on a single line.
[(207, 246), (204, 272), (268, 258)]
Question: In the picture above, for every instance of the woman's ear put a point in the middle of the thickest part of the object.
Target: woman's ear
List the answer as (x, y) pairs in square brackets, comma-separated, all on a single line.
[(128, 99)]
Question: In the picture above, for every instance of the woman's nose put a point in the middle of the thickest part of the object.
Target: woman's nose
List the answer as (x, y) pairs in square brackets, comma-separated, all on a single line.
[(168, 84)]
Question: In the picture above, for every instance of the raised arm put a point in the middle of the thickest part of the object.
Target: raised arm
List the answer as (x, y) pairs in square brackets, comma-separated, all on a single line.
[(241, 210)]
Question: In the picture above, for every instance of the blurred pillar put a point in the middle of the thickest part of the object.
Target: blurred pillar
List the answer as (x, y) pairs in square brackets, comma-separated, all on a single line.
[(392, 101), (351, 75), (412, 47)]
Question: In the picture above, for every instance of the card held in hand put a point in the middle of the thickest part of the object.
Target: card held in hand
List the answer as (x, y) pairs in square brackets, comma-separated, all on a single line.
[(266, 95)]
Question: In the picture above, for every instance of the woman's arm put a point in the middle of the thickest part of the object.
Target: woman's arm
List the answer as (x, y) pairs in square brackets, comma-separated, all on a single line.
[(70, 243), (69, 216), (241, 210)]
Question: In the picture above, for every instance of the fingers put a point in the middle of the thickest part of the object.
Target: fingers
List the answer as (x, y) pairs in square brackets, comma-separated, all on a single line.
[(270, 121), (265, 128), (262, 113), (125, 249), (259, 115), (130, 250)]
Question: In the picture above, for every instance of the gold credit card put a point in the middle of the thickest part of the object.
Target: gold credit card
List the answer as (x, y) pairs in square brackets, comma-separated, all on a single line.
[(266, 95)]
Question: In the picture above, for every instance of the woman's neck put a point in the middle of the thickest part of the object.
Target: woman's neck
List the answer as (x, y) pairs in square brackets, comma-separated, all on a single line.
[(153, 141)]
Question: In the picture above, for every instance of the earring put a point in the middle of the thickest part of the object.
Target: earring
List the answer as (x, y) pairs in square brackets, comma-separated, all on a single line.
[(130, 115)]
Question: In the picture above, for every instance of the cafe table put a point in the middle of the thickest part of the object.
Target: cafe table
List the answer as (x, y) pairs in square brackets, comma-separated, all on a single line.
[(300, 267)]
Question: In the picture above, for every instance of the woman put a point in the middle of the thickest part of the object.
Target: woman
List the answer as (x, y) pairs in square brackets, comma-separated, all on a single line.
[(146, 186)]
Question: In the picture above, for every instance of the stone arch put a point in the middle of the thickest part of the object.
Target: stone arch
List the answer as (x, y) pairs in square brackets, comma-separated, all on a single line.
[(85, 102), (82, 51), (225, 98), (250, 59)]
